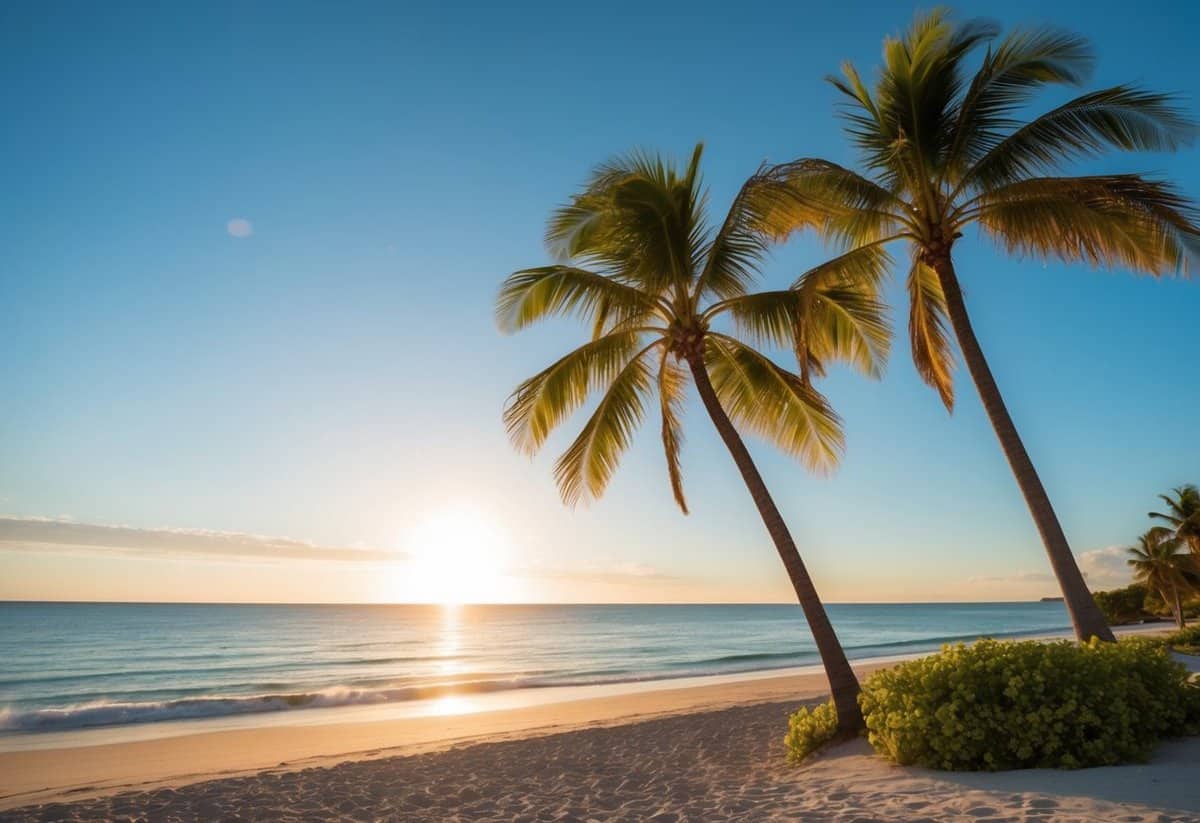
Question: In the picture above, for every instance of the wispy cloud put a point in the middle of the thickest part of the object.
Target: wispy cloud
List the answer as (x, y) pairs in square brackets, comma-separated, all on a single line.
[(619, 573), (46, 535), (239, 227), (1102, 569), (1106, 568), (1020, 577)]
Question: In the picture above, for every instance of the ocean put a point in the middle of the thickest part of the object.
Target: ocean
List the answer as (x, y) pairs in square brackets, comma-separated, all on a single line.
[(70, 666)]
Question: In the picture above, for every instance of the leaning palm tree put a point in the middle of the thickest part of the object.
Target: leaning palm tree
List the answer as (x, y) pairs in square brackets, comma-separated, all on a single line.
[(1161, 562), (944, 149), (1183, 515), (640, 264)]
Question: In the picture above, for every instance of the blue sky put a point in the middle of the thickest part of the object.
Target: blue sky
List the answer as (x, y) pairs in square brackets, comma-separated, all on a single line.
[(336, 378)]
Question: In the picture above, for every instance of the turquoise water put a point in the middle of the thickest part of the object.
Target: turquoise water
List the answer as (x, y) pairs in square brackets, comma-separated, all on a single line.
[(71, 666)]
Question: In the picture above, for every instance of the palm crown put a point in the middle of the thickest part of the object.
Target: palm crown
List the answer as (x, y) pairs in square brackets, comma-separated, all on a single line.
[(1183, 515), (947, 150), (643, 267), (1160, 560)]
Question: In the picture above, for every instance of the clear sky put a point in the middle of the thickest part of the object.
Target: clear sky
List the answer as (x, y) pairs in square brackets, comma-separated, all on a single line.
[(248, 253)]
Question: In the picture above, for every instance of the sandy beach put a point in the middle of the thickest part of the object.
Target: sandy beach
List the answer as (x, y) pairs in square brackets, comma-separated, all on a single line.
[(707, 752)]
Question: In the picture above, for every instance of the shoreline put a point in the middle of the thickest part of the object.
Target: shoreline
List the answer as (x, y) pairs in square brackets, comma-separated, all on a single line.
[(722, 765), (450, 699), (36, 776), (107, 761)]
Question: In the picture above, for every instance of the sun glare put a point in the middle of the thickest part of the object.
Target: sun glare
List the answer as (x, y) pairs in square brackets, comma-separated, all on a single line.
[(457, 555)]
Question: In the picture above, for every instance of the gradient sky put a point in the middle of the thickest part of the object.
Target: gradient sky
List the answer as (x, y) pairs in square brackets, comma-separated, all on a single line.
[(249, 253)]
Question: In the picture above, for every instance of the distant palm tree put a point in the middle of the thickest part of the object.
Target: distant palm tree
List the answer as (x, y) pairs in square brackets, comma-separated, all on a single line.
[(1183, 515), (945, 149), (1160, 561), (643, 267)]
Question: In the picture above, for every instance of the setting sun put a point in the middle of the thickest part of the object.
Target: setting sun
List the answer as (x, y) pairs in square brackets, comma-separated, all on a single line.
[(458, 555)]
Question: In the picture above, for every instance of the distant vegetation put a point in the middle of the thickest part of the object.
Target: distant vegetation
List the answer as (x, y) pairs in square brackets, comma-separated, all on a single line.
[(1166, 567), (1186, 641)]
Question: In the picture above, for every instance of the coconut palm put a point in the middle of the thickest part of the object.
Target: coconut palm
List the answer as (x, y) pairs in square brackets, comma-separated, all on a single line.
[(944, 149), (1161, 562), (640, 264), (1183, 515)]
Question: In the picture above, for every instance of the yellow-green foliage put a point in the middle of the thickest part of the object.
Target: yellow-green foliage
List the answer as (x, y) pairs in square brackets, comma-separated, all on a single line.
[(1010, 705), (809, 729), (1185, 640)]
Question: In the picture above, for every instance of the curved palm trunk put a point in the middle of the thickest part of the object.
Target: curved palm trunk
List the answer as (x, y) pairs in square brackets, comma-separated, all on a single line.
[(1085, 615), (842, 682), (1179, 621)]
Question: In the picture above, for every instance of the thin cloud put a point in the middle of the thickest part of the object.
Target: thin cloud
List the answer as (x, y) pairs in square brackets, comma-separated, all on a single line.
[(31, 534), (1023, 577), (239, 227), (621, 573), (1106, 568), (1102, 569)]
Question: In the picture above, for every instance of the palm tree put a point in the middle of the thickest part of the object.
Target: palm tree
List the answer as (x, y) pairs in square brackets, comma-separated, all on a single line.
[(1160, 561), (1183, 515), (642, 266), (944, 149)]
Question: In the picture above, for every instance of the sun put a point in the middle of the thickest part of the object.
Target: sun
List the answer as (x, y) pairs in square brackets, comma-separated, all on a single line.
[(457, 555)]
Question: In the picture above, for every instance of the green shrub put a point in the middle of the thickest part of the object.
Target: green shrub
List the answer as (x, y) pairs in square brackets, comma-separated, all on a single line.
[(1010, 705), (1191, 721), (1120, 606), (1185, 640), (809, 730)]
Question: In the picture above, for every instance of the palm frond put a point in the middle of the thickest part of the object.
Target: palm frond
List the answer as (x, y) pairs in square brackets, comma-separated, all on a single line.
[(774, 403), (1109, 220), (764, 209), (530, 295), (585, 468), (1122, 117), (765, 317), (830, 313), (927, 328), (841, 204), (1025, 61), (671, 382), (847, 324), (904, 127), (921, 80), (639, 219), (543, 401), (864, 266)]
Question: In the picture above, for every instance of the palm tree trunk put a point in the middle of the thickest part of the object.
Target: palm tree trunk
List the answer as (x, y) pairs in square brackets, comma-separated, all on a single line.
[(1179, 621), (1085, 615), (842, 681)]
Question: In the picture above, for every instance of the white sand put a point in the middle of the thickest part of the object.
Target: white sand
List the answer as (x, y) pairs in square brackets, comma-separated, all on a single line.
[(724, 765)]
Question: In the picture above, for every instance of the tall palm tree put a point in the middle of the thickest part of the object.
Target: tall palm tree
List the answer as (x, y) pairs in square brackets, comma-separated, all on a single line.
[(650, 276), (1160, 561), (1183, 515), (944, 149)]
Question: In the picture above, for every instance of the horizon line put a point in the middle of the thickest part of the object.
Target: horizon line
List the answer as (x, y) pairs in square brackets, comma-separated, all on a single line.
[(1048, 599)]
